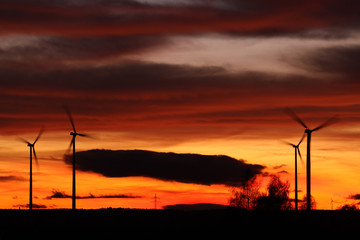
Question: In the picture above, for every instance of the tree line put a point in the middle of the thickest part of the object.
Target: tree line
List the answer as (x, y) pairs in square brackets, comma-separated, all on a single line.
[(276, 197)]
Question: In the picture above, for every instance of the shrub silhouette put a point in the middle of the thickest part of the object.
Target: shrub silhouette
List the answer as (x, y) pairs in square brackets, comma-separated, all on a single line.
[(249, 197), (245, 197), (277, 197)]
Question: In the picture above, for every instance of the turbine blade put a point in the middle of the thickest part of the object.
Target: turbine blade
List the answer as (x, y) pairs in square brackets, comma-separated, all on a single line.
[(293, 115), (301, 159), (36, 159), (23, 140), (39, 135), (328, 122), (87, 136), (70, 145), (67, 110), (298, 150), (301, 139), (287, 143)]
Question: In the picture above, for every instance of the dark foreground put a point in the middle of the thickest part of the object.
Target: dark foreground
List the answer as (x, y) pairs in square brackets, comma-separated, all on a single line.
[(173, 224)]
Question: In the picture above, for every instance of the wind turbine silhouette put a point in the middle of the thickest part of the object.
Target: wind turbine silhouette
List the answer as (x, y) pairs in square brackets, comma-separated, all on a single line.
[(32, 151), (72, 143), (309, 131), (297, 151)]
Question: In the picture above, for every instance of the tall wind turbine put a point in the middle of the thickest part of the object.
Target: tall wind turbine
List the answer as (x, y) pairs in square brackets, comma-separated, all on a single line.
[(72, 144), (297, 151), (32, 151), (309, 131)]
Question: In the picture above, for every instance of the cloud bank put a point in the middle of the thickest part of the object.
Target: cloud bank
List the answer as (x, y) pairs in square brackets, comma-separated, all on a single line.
[(11, 178), (82, 52), (259, 17), (60, 194), (186, 168), (138, 94)]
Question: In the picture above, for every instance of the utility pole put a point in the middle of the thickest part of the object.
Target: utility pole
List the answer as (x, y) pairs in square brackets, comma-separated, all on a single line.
[(73, 183), (296, 183), (308, 169), (155, 201), (30, 195)]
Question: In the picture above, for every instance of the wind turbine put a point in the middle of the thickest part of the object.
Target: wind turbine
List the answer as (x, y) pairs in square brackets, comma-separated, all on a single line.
[(72, 143), (309, 131), (297, 151), (32, 151)]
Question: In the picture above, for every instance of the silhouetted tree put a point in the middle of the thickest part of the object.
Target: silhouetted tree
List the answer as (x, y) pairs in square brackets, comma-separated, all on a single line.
[(348, 207), (277, 197), (245, 197), (302, 205)]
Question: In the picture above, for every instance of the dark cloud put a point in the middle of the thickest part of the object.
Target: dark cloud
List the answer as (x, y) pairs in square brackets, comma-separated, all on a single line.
[(57, 51), (60, 194), (131, 79), (279, 166), (11, 178), (126, 77), (354, 197), (340, 60), (148, 94), (179, 82), (34, 205), (131, 17), (187, 168)]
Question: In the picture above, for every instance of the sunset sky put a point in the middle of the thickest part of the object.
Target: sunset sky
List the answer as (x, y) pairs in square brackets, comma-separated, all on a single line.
[(184, 76)]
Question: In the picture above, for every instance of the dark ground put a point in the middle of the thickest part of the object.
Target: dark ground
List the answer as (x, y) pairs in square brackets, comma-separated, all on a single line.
[(174, 224)]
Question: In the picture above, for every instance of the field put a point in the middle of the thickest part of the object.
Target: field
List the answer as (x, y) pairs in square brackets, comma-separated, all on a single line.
[(130, 223)]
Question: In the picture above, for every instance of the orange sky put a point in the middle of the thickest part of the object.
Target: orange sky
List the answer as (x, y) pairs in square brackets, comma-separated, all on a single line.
[(206, 77)]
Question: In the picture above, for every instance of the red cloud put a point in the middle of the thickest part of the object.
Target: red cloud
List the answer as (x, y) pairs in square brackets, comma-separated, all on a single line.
[(142, 95)]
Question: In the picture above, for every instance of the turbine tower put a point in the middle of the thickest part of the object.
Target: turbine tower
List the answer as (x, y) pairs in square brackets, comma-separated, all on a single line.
[(32, 151), (308, 132), (297, 151), (72, 144)]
